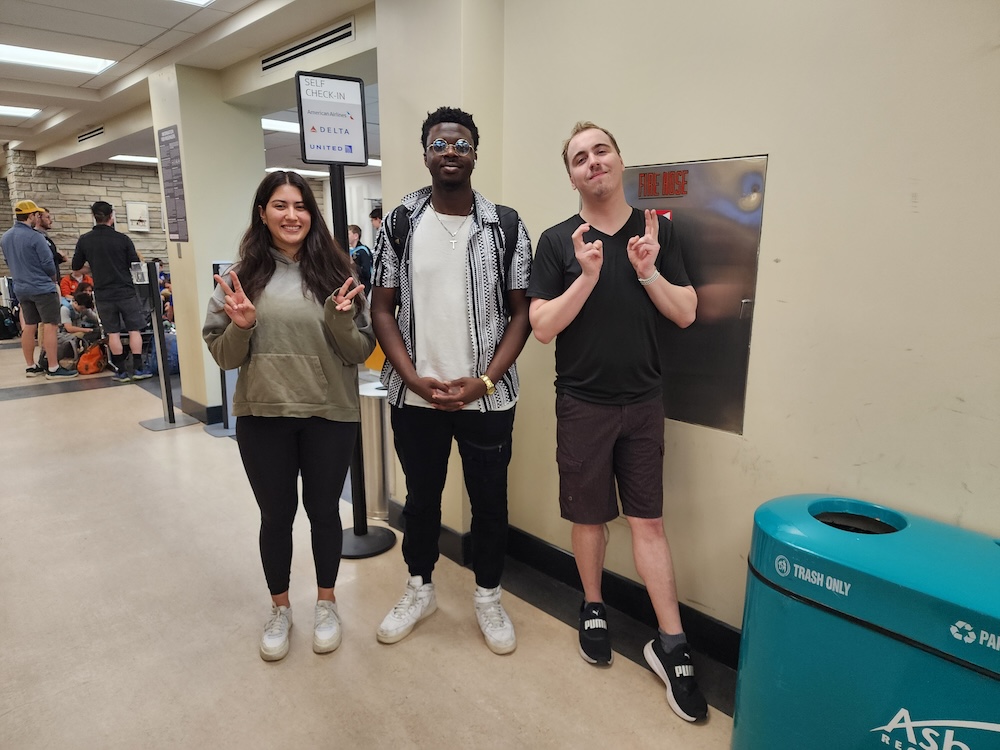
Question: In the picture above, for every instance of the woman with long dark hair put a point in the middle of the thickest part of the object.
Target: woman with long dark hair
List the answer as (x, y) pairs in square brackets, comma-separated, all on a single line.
[(291, 315)]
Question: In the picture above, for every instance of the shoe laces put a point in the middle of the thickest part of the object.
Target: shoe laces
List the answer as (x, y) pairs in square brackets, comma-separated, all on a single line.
[(277, 624), (493, 616), (325, 616), (405, 604)]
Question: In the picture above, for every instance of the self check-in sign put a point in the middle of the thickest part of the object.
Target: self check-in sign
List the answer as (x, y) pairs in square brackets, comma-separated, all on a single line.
[(332, 119)]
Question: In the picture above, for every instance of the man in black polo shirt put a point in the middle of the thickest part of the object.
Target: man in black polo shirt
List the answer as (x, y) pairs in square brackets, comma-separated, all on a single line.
[(111, 255)]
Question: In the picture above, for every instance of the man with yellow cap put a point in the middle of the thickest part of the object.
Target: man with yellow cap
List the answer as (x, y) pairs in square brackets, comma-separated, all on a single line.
[(32, 268)]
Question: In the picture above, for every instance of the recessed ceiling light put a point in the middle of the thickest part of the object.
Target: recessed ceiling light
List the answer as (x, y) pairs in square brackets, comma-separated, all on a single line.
[(282, 126), (6, 111), (136, 159), (374, 162), (200, 3), (41, 58)]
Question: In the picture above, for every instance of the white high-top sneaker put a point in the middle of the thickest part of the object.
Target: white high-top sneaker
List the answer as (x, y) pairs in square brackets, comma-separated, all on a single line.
[(493, 621), (417, 603)]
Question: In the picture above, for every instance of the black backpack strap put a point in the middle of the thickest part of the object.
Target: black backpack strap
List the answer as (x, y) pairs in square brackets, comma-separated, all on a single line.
[(509, 221), (400, 229)]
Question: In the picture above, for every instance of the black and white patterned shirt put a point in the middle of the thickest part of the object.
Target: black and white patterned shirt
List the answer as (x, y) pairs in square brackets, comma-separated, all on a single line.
[(486, 285)]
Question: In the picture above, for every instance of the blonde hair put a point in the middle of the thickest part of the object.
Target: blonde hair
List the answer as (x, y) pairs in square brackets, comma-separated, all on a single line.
[(579, 128)]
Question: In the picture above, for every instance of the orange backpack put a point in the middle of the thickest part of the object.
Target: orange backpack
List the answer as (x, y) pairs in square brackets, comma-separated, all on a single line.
[(92, 361)]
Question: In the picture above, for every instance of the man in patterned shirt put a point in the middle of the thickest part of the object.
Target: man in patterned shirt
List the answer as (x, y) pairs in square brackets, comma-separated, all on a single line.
[(457, 266)]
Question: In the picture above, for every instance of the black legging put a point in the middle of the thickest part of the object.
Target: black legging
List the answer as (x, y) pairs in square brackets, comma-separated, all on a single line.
[(275, 450)]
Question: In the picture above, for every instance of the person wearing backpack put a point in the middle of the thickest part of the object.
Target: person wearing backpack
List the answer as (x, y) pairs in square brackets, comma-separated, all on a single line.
[(457, 267), (361, 255)]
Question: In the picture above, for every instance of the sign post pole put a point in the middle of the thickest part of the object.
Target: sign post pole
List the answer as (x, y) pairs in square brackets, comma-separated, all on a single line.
[(333, 131)]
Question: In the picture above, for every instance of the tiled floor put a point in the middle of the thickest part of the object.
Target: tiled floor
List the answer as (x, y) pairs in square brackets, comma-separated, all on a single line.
[(133, 600)]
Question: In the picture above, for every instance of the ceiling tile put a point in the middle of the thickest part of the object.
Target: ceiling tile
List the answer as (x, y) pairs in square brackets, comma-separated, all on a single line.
[(203, 19), (152, 12), (23, 36), (169, 39), (75, 22)]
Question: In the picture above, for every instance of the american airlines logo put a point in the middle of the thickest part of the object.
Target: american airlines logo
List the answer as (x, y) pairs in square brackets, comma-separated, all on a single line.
[(935, 734)]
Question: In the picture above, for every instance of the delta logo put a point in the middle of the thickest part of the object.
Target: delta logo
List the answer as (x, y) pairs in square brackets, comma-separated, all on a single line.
[(903, 733)]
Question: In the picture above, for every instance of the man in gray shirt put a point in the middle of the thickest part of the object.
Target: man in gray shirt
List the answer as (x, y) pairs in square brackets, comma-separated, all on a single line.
[(31, 265)]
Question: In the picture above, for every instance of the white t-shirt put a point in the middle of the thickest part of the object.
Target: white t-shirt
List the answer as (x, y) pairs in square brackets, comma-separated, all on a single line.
[(443, 342)]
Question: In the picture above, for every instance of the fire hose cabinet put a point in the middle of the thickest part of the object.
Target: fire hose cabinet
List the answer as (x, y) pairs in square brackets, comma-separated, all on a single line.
[(867, 629)]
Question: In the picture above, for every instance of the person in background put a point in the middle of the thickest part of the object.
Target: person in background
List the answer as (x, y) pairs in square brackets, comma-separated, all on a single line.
[(33, 269), (43, 224), (291, 317), (376, 219), (450, 365), (603, 281), (362, 256), (80, 319), (69, 285), (110, 255)]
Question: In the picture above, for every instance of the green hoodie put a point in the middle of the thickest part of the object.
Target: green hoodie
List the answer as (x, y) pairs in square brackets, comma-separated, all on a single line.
[(300, 359)]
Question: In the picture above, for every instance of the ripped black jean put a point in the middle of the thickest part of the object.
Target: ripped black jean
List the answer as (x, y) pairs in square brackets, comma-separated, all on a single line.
[(423, 443)]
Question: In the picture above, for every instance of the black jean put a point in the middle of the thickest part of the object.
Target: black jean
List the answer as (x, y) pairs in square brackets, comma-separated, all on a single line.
[(423, 443), (275, 451)]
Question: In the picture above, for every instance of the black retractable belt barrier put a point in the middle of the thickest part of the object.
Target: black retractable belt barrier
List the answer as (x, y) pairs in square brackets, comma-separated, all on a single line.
[(147, 275)]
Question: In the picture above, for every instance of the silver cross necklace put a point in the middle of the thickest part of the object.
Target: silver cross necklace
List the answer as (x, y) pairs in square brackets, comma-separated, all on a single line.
[(454, 234)]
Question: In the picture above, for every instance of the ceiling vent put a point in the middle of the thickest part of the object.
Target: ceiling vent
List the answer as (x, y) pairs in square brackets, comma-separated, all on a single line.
[(341, 33), (90, 134)]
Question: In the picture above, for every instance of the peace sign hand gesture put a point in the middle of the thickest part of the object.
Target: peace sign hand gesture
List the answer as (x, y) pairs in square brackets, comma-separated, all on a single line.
[(343, 298), (590, 255), (239, 309), (642, 251)]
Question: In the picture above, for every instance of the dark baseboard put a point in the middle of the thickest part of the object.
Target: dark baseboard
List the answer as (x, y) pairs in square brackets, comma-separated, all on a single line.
[(206, 414), (711, 637)]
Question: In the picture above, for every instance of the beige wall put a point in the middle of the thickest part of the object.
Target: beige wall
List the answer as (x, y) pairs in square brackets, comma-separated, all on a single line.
[(875, 355)]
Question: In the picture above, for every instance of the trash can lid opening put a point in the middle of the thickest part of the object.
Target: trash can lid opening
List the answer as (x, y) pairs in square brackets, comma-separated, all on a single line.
[(856, 516)]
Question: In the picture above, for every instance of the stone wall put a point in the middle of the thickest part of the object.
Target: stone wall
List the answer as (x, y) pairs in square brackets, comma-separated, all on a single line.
[(69, 193)]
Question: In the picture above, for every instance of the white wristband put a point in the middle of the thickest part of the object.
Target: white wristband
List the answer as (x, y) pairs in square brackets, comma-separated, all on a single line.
[(651, 279)]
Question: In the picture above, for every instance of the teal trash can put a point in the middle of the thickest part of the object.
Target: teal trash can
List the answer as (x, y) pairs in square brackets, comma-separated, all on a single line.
[(867, 629)]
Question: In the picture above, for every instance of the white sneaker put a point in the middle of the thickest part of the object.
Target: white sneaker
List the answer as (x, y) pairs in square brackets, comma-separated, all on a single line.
[(274, 642), (417, 603), (493, 621), (326, 631)]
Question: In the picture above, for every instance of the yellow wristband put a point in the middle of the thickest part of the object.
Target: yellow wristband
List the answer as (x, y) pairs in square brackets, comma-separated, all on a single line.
[(490, 388)]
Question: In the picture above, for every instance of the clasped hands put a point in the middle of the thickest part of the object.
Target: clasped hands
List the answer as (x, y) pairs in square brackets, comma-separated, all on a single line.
[(451, 395)]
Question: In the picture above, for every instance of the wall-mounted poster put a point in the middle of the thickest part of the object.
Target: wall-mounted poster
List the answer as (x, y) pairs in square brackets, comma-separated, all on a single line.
[(138, 216)]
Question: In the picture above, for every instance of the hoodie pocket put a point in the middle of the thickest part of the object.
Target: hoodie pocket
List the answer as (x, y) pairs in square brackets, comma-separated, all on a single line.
[(286, 379)]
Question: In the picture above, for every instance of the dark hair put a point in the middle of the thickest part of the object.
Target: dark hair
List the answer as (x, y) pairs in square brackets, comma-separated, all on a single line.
[(376, 214), (84, 286), (84, 299), (323, 262), (102, 210), (447, 114)]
